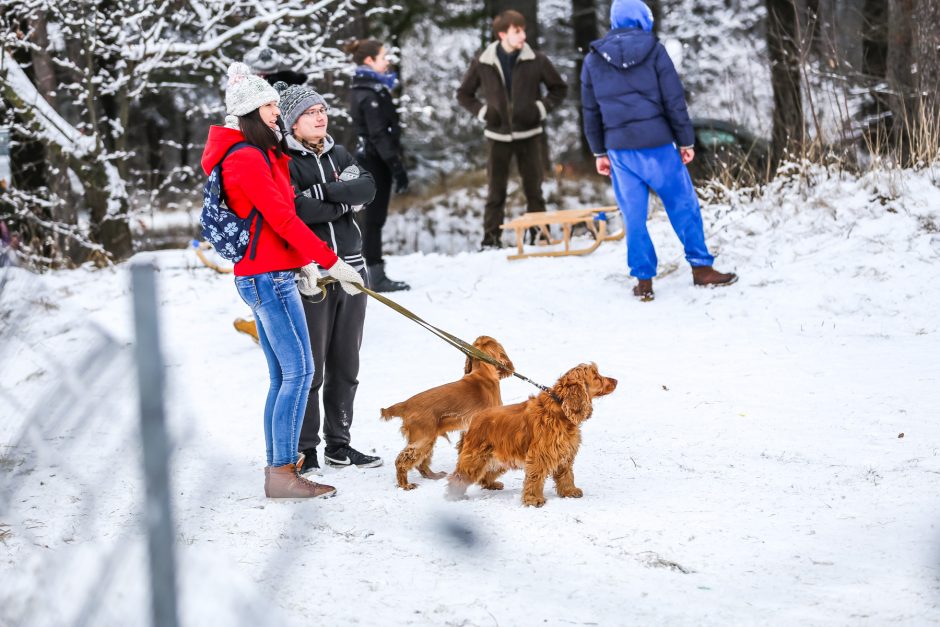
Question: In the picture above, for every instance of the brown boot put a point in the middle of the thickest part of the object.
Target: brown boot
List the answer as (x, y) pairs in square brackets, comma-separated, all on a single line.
[(643, 290), (283, 482), (248, 327), (709, 277)]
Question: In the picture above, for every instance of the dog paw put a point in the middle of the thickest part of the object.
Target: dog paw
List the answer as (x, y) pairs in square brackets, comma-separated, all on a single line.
[(573, 493), (436, 475), (493, 485), (533, 502), (408, 486)]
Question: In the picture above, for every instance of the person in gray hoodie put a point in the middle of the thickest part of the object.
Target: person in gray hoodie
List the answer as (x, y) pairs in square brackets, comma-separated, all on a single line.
[(330, 187)]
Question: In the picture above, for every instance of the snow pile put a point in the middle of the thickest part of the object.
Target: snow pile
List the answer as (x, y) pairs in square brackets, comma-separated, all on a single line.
[(750, 464)]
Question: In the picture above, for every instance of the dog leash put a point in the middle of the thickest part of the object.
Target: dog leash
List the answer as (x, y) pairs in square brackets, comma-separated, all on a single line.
[(467, 349)]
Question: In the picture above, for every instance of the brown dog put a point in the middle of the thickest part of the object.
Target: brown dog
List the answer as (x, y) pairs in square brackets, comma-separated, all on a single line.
[(541, 434), (448, 407)]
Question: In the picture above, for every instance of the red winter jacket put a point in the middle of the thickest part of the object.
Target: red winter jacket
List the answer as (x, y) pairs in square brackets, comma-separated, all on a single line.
[(285, 242)]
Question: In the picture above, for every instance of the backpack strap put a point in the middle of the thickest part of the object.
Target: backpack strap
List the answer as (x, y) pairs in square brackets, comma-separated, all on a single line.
[(254, 216)]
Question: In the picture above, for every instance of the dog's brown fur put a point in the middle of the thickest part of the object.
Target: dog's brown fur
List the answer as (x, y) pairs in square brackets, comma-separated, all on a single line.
[(541, 435), (446, 408)]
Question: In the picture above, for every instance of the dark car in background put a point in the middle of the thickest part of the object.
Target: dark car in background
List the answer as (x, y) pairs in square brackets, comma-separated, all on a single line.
[(729, 153)]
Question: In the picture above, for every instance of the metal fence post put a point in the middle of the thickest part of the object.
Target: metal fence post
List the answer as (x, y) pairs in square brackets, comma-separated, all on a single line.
[(157, 513)]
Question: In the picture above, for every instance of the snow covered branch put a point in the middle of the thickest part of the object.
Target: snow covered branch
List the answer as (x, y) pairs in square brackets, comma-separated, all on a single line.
[(19, 90)]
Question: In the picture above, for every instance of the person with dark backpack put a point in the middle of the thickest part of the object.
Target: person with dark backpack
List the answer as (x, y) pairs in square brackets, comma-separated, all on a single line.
[(255, 178), (379, 149), (330, 189)]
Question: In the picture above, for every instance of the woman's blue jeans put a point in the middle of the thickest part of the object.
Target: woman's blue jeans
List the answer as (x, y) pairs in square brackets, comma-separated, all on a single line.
[(282, 332), (637, 171)]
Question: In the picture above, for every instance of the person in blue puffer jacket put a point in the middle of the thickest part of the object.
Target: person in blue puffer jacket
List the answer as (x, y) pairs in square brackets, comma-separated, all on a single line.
[(638, 127)]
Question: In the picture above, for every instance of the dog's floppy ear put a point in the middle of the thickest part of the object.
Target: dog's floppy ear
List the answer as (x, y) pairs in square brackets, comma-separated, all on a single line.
[(495, 350), (480, 345), (575, 398)]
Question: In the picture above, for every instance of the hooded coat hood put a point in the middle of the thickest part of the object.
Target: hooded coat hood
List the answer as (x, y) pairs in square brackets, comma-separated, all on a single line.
[(631, 14), (623, 48)]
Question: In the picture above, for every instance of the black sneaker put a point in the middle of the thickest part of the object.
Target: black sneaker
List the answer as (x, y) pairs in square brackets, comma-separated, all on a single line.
[(310, 466), (348, 456)]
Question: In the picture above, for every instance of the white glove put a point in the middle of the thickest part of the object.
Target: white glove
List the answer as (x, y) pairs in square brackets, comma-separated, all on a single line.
[(351, 173), (347, 276), (307, 283)]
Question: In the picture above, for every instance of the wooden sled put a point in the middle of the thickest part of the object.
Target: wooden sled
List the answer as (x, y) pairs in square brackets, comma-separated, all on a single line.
[(595, 220), (201, 249)]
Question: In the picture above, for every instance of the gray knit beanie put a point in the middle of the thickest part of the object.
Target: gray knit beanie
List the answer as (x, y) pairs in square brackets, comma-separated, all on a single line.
[(246, 91), (295, 99)]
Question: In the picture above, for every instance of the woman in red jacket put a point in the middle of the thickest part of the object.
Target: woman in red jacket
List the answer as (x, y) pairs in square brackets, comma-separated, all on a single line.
[(266, 280)]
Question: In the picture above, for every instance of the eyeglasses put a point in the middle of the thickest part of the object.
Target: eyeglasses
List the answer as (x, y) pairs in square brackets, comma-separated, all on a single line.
[(315, 111)]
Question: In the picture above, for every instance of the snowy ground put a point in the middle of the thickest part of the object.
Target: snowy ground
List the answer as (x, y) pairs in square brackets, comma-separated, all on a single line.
[(749, 468)]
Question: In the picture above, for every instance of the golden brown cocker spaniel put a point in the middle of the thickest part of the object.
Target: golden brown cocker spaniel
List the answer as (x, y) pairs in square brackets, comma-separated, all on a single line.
[(541, 435), (448, 407)]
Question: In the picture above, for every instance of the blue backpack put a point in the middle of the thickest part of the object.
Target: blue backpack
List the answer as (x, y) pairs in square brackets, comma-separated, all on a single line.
[(221, 226)]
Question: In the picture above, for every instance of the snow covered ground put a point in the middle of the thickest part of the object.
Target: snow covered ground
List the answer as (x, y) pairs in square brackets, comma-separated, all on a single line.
[(750, 467)]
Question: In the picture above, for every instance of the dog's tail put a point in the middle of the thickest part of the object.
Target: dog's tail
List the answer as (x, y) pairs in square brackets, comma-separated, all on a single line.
[(388, 413)]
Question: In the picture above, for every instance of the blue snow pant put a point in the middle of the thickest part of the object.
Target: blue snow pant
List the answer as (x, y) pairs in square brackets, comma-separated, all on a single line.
[(637, 171)]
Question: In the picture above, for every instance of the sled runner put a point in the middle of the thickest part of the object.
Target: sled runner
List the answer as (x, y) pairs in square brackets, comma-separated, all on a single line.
[(595, 220), (207, 255)]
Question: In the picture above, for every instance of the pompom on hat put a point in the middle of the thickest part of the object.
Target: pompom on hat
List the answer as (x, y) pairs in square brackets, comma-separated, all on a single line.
[(246, 91), (264, 60)]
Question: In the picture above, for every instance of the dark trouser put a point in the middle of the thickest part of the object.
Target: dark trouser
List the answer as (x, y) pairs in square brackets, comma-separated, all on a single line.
[(528, 154), (372, 218), (335, 326)]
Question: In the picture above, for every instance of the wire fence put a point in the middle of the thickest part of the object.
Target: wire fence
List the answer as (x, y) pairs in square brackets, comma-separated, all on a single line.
[(62, 430), (86, 531)]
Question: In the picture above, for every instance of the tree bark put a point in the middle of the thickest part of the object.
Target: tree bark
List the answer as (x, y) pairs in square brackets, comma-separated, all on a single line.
[(584, 20), (926, 18), (874, 38), (783, 44)]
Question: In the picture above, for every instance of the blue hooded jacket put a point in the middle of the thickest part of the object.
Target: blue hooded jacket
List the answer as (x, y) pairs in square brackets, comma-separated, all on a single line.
[(630, 90)]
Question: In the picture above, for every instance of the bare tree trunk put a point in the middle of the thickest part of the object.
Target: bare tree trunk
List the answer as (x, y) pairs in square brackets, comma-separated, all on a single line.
[(783, 41), (899, 76), (108, 224), (926, 18), (584, 19), (46, 83), (874, 38)]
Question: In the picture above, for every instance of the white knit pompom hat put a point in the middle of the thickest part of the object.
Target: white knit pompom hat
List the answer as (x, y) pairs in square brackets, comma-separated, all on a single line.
[(245, 91)]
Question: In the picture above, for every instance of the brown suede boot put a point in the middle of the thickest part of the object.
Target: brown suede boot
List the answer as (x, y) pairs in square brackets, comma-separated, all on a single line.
[(283, 482), (709, 277), (246, 326), (643, 290)]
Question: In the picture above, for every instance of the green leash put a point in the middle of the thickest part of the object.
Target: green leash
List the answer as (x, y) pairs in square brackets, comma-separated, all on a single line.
[(467, 349)]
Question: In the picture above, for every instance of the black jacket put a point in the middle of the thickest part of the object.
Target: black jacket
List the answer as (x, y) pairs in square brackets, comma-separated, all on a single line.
[(324, 202), (376, 122)]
